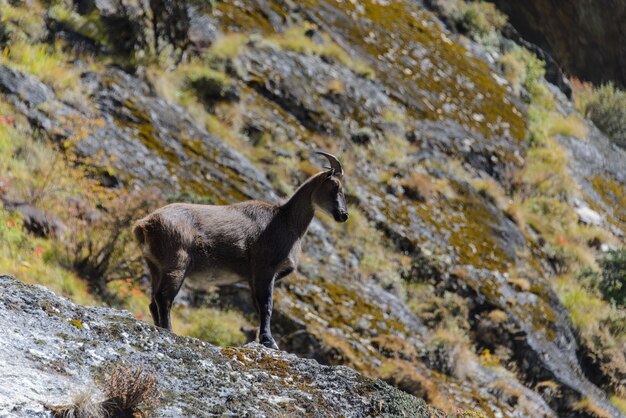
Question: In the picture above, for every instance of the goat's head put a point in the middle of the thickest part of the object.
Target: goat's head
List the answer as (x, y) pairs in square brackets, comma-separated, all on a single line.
[(328, 196)]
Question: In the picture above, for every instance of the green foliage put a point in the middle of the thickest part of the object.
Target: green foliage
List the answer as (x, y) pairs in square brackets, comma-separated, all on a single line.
[(522, 68), (99, 244), (28, 258), (606, 107), (586, 309), (545, 174), (207, 84), (480, 18), (545, 188), (215, 326), (392, 150), (477, 18), (613, 283), (571, 125), (589, 278), (43, 61), (24, 22), (90, 25)]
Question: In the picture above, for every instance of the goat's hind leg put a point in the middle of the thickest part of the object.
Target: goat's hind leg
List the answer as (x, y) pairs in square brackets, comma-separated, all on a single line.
[(154, 281)]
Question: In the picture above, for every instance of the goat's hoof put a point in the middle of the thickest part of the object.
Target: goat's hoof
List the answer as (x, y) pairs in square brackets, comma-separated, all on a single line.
[(269, 343)]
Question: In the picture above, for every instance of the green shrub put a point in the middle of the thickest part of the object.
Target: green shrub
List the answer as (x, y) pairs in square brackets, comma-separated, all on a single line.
[(613, 283), (481, 18), (586, 310), (606, 107), (589, 278), (99, 244), (478, 19), (89, 25), (522, 68)]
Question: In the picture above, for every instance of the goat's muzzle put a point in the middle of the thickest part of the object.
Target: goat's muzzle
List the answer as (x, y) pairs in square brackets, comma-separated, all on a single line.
[(340, 216)]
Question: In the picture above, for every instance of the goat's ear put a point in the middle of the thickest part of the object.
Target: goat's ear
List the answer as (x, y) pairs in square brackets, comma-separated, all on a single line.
[(330, 173)]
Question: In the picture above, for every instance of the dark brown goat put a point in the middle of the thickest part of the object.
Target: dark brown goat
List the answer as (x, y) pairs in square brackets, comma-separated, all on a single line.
[(218, 245)]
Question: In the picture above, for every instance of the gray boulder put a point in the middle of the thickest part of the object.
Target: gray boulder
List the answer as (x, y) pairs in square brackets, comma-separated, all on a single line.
[(51, 348)]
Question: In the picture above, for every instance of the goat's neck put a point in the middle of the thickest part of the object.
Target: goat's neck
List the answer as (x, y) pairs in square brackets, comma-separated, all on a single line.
[(298, 211)]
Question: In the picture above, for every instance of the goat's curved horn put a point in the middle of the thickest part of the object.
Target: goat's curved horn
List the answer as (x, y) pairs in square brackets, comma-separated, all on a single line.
[(335, 165)]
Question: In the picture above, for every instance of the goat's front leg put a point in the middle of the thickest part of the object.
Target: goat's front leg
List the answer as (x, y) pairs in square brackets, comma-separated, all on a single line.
[(263, 293)]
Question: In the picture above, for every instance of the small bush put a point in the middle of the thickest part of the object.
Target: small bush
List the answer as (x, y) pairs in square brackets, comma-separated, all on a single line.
[(514, 70), (100, 246), (613, 283), (208, 85), (481, 18), (606, 107), (448, 352), (23, 21), (589, 279), (478, 19), (392, 150), (546, 172), (130, 391), (89, 25), (586, 310), (126, 392), (491, 190), (522, 68)]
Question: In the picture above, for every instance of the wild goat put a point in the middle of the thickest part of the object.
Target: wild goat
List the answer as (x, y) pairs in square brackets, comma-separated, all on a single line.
[(219, 245)]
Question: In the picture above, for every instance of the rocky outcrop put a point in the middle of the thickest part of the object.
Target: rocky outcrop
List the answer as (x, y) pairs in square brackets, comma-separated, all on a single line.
[(51, 349), (586, 38)]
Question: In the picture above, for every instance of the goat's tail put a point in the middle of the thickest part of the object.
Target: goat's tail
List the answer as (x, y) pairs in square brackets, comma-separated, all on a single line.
[(139, 231)]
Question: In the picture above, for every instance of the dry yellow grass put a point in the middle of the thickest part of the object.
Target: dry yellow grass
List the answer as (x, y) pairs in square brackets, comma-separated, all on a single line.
[(572, 125), (588, 406), (295, 39)]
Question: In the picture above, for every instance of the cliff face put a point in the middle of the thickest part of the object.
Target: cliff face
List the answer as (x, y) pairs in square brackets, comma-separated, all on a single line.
[(586, 38), (434, 285)]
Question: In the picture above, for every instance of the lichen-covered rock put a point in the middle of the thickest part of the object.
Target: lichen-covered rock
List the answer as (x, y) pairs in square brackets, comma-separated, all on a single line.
[(52, 348), (137, 135)]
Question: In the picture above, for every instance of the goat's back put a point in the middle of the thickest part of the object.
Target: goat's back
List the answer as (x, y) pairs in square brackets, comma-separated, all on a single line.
[(214, 237)]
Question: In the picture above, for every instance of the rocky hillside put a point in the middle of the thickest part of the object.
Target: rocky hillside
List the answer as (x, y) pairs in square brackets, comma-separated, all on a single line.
[(484, 209)]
